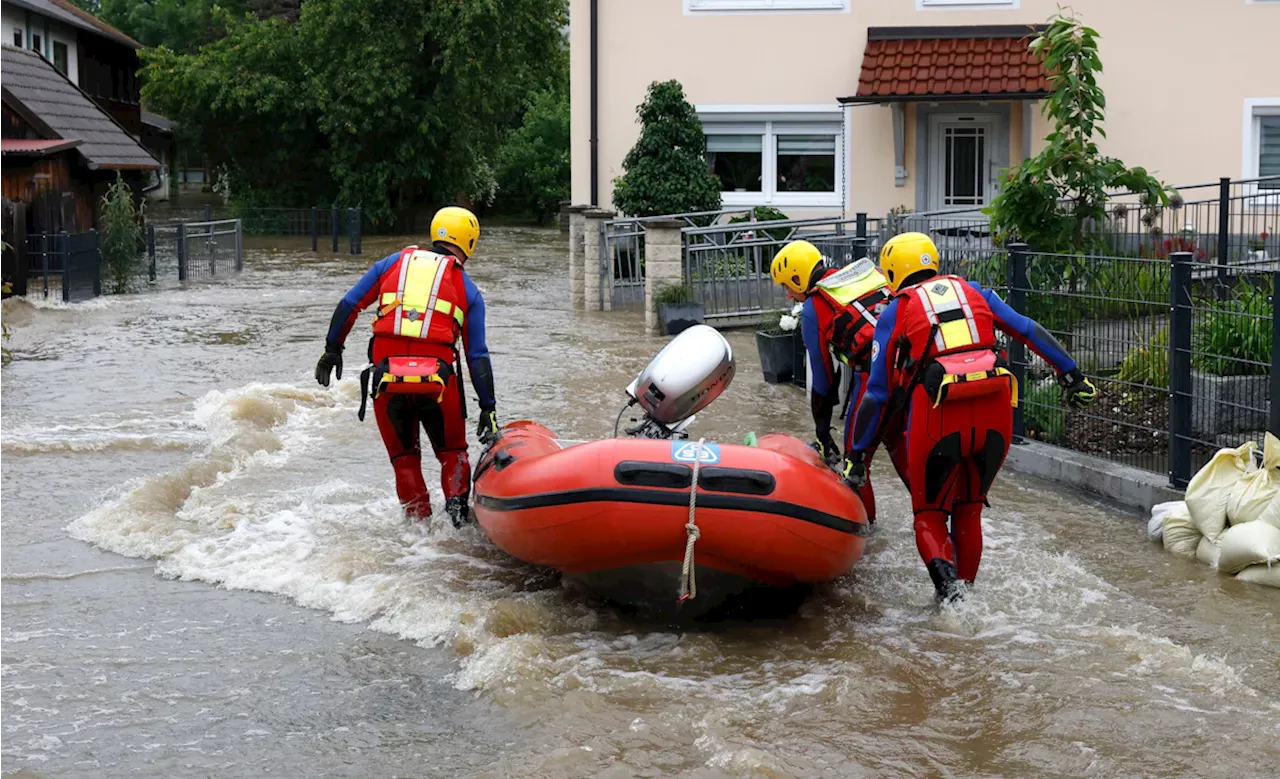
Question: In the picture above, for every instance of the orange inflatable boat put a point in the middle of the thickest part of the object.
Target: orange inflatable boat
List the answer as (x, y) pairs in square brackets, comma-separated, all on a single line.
[(625, 518)]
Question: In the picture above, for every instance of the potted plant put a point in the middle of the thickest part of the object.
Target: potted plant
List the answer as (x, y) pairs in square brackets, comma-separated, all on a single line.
[(677, 310), (775, 340)]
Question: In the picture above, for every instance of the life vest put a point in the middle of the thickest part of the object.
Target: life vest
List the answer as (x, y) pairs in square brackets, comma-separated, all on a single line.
[(950, 343), (420, 297), (854, 296)]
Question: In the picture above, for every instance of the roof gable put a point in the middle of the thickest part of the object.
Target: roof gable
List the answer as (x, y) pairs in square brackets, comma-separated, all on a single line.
[(39, 89), (69, 14)]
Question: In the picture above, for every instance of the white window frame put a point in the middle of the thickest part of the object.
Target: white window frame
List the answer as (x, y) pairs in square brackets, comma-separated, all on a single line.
[(766, 6), (770, 122), (1251, 145), (968, 5)]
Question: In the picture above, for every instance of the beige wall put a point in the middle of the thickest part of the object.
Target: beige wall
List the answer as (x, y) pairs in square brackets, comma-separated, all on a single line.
[(1177, 74)]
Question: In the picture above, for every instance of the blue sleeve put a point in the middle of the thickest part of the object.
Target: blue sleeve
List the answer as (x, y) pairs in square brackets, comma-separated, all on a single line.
[(356, 299), (1026, 330), (866, 426), (473, 337), (819, 356)]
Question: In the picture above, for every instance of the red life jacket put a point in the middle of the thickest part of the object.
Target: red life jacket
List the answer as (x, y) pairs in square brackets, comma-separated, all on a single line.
[(847, 302), (947, 340), (422, 306)]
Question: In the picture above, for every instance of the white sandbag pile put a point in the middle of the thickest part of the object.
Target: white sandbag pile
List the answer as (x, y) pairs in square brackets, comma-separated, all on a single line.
[(1231, 517)]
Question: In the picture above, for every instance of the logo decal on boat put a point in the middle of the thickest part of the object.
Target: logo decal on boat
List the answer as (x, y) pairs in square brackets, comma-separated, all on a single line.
[(684, 452)]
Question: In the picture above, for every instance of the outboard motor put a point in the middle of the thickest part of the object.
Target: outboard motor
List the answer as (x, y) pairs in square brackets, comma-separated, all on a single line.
[(690, 372)]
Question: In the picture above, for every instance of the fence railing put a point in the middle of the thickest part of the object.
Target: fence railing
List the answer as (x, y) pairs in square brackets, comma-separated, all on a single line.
[(326, 227), (1184, 363), (63, 265), (727, 266), (195, 250), (622, 252)]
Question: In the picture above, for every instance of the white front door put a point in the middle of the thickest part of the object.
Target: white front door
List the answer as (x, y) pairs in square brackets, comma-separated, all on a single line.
[(961, 171)]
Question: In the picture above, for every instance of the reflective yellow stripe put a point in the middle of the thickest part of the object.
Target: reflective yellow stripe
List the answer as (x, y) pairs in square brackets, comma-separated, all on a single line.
[(852, 282), (447, 308), (958, 333)]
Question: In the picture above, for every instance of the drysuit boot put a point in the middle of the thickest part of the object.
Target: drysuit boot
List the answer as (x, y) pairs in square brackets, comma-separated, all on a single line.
[(456, 508), (946, 584)]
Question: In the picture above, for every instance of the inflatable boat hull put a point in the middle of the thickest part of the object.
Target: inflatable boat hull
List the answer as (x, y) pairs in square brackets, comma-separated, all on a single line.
[(611, 515)]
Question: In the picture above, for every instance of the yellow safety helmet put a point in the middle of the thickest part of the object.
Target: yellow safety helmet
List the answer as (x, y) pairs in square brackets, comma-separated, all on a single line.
[(457, 226), (906, 254), (797, 266)]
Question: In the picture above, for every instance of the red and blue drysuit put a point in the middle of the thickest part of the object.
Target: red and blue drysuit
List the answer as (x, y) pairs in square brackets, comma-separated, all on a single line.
[(935, 357), (458, 311)]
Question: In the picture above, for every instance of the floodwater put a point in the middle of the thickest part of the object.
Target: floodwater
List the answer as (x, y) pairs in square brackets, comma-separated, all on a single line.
[(205, 574)]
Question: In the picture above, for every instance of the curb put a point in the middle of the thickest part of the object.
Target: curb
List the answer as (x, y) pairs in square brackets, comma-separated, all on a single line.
[(1122, 484)]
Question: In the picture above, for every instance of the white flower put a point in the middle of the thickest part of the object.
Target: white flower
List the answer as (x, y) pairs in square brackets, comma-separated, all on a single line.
[(797, 309), (787, 323)]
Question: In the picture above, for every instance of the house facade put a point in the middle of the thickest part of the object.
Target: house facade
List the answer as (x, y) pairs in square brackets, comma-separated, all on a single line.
[(841, 106)]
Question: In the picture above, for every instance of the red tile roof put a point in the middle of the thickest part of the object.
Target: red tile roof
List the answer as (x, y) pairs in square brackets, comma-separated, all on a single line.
[(928, 63), (36, 148)]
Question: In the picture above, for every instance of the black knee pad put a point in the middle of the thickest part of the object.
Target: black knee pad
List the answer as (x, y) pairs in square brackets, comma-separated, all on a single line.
[(942, 462), (989, 458)]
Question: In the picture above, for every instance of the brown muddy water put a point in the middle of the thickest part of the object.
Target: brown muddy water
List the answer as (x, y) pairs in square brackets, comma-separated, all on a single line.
[(205, 574)]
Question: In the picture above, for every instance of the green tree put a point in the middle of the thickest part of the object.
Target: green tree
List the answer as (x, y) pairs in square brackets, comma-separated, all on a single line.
[(180, 25), (379, 103), (534, 169), (1056, 201), (121, 236), (666, 171)]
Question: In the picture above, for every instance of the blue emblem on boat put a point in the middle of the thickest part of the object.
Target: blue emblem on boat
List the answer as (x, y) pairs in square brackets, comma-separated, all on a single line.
[(685, 451)]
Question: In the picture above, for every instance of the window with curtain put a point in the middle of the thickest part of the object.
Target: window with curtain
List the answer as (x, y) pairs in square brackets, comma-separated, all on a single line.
[(806, 163), (1269, 150), (738, 160)]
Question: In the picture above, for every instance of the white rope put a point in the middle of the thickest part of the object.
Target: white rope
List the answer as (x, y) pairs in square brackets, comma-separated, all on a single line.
[(688, 580)]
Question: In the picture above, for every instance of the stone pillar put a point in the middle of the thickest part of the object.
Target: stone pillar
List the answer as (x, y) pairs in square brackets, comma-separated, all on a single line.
[(577, 256), (592, 284), (663, 265)]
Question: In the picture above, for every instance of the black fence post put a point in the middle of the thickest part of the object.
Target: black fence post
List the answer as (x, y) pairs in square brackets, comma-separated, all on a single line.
[(151, 252), (860, 236), (351, 231), (315, 229), (1180, 371), (239, 245), (1017, 274), (97, 265), (182, 251), (44, 261), (1275, 353), (1224, 235), (208, 212), (335, 228), (64, 250)]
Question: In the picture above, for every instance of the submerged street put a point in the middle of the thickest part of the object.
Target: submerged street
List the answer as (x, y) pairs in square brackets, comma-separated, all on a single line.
[(206, 573)]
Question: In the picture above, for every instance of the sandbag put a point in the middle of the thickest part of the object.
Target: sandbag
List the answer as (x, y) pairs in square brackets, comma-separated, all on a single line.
[(1210, 489), (1179, 535), (1253, 543), (1268, 575), (1155, 527), (1256, 497), (1208, 551)]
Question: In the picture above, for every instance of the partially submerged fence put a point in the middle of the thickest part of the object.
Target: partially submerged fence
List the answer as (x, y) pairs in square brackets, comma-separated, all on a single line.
[(60, 265), (195, 250), (325, 227)]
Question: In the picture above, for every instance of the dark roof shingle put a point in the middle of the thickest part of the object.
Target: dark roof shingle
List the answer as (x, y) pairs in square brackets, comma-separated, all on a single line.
[(927, 63), (47, 94)]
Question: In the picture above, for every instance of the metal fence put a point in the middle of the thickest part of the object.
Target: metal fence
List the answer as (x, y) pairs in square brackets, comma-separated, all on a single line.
[(1184, 362), (195, 250), (64, 265), (326, 227), (727, 266)]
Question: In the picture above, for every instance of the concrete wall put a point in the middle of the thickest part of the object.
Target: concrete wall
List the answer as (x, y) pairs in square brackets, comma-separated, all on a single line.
[(1177, 73)]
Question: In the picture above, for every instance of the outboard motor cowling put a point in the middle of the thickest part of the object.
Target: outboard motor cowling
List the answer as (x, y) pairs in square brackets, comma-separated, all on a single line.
[(690, 372)]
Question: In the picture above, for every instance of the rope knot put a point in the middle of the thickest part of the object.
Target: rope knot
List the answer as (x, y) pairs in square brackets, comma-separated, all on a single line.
[(693, 531)]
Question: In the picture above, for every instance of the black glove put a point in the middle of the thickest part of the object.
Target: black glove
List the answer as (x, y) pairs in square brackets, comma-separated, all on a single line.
[(331, 359), (854, 472), (487, 429), (1077, 389)]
